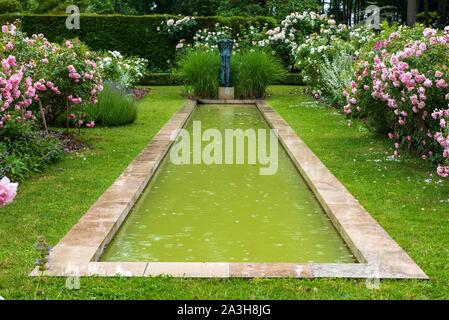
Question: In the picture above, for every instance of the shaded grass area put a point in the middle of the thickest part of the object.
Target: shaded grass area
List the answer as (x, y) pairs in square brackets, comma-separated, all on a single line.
[(413, 209)]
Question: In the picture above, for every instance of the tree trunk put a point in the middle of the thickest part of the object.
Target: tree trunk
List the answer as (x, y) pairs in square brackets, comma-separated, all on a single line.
[(44, 122), (442, 12), (411, 12), (67, 117), (426, 12)]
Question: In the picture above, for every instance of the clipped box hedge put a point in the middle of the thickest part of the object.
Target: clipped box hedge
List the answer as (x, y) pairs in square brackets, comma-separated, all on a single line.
[(160, 79), (131, 35)]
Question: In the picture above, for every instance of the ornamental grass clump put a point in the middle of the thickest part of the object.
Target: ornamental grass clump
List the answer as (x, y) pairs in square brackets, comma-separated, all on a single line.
[(199, 70), (401, 86), (253, 71), (115, 106)]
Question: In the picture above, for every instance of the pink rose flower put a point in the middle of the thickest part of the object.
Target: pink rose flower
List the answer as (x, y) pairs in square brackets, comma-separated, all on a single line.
[(443, 171), (9, 46), (429, 32), (11, 61), (441, 84), (8, 191), (446, 153)]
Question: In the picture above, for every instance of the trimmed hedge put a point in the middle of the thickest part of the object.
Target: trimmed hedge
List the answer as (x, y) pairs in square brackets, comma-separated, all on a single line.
[(160, 79), (291, 79), (131, 35), (167, 79)]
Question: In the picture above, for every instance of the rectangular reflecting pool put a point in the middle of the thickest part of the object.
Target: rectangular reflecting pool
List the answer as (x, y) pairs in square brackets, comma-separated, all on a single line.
[(227, 212)]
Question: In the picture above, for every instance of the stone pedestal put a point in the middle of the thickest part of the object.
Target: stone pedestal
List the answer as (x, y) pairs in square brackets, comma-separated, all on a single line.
[(226, 93)]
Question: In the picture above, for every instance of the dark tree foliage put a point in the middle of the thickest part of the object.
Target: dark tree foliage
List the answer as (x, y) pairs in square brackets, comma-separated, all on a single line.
[(243, 7), (188, 7), (275, 8), (430, 12)]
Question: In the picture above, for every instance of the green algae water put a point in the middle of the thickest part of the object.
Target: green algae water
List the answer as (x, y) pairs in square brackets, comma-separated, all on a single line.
[(227, 213)]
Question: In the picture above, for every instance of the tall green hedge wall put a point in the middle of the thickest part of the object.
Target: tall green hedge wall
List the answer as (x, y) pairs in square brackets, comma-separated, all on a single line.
[(131, 35)]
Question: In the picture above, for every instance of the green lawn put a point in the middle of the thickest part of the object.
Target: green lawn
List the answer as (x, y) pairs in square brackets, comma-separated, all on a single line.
[(405, 196)]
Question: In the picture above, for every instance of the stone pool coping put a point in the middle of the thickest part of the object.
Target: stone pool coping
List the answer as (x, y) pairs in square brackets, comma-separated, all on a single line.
[(378, 255)]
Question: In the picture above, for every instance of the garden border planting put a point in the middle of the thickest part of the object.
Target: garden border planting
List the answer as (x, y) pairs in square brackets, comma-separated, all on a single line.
[(379, 256), (131, 35)]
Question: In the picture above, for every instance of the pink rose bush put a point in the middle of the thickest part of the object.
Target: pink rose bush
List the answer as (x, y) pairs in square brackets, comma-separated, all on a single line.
[(59, 78), (8, 191), (16, 86), (401, 86), (40, 82)]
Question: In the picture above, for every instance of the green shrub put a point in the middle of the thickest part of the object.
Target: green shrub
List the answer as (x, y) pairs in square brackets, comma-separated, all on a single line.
[(254, 71), (335, 73), (115, 107), (8, 6), (123, 71), (23, 152), (199, 70)]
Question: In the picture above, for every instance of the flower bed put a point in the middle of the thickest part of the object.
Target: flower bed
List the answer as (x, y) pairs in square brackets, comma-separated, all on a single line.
[(44, 83)]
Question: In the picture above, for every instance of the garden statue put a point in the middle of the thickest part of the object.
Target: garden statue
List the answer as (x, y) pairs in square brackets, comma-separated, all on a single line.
[(225, 46)]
